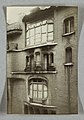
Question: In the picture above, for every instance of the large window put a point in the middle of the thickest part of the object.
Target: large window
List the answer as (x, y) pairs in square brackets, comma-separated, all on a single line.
[(40, 32), (38, 89), (69, 25)]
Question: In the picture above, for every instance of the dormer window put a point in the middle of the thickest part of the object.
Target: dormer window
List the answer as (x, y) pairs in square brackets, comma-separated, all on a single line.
[(68, 25)]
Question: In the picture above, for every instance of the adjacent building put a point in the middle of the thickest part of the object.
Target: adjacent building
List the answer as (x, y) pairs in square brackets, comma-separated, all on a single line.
[(42, 58)]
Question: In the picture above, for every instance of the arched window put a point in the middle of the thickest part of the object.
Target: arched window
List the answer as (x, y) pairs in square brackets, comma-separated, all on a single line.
[(38, 89), (68, 54), (68, 25)]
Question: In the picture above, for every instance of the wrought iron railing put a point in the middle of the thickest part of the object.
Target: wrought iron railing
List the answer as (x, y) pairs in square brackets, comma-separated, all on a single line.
[(39, 67)]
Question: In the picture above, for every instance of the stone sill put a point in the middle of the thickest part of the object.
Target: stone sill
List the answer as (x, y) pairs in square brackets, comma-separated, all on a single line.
[(67, 34), (32, 47), (34, 72), (41, 45), (68, 64)]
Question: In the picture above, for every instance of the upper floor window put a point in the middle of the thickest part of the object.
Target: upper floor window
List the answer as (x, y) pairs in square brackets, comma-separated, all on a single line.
[(40, 32), (49, 61), (68, 55), (69, 25), (38, 89)]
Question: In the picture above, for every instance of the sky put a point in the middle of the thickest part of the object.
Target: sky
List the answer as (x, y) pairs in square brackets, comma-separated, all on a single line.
[(15, 12)]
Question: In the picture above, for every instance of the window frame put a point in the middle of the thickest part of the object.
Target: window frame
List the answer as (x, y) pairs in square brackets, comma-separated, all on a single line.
[(38, 82), (70, 22), (68, 53), (41, 33)]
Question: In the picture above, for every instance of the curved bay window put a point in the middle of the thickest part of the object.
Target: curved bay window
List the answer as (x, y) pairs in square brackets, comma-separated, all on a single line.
[(39, 32), (68, 55), (38, 90)]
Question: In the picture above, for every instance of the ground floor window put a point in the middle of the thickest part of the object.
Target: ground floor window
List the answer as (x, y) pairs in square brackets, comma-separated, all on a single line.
[(38, 89)]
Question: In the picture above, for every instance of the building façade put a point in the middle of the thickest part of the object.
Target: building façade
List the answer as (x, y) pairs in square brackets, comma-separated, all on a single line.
[(42, 54)]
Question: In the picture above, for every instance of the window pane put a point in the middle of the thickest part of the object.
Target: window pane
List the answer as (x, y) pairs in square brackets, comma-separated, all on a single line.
[(39, 87), (45, 88), (31, 32), (50, 36), (35, 94), (39, 94), (38, 29), (35, 90), (44, 28), (31, 40), (45, 94), (27, 41), (50, 27), (38, 34), (31, 90), (34, 86), (44, 38), (67, 26), (27, 34)]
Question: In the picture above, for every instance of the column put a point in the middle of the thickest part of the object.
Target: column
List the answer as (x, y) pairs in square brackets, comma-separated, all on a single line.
[(45, 61)]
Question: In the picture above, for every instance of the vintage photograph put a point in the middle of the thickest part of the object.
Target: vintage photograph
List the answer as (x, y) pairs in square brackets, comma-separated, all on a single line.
[(42, 59)]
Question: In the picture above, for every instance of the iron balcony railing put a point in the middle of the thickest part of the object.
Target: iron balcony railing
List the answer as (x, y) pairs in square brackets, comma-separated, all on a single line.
[(39, 67)]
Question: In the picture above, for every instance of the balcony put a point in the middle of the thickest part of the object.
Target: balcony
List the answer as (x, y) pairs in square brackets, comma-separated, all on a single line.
[(14, 29), (40, 68), (12, 46)]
